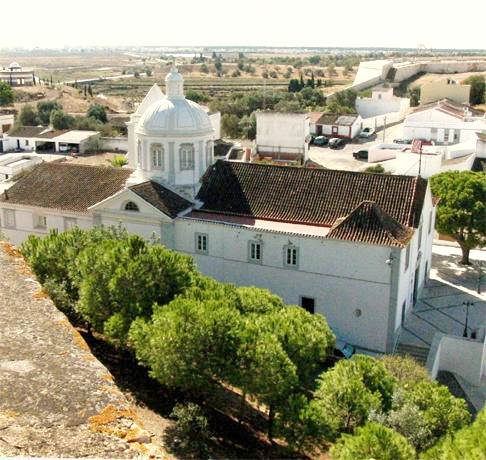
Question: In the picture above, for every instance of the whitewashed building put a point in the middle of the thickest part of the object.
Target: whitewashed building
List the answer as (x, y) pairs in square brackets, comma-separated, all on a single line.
[(355, 247), (336, 125), (16, 75), (381, 102), (444, 122), (283, 136)]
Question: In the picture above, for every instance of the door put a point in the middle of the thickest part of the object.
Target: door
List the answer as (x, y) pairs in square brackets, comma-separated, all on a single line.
[(1, 146), (415, 285), (334, 130), (319, 130)]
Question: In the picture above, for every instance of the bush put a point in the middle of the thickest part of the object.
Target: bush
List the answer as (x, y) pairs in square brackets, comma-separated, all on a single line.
[(98, 112), (405, 370), (189, 437), (350, 391), (119, 161), (61, 120), (466, 444), (376, 169), (44, 109), (28, 116), (373, 441), (6, 94)]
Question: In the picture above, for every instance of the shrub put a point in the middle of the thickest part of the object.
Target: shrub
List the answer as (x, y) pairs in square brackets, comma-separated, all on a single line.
[(352, 389), (189, 437), (6, 94), (373, 441), (405, 369), (98, 112), (376, 169), (119, 161), (467, 444)]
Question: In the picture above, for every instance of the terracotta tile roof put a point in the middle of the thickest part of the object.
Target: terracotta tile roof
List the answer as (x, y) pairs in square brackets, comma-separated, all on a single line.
[(307, 195), (65, 186), (337, 119), (165, 200), (367, 223), (314, 116), (27, 131)]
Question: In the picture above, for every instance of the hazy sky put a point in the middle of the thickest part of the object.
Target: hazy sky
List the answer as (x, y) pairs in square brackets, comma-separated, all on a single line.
[(379, 23)]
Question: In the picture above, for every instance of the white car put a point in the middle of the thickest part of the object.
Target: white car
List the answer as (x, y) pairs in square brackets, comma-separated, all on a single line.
[(367, 133)]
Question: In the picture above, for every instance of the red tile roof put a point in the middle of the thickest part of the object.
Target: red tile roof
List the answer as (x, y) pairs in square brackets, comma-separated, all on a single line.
[(307, 195), (65, 186), (165, 200), (368, 223)]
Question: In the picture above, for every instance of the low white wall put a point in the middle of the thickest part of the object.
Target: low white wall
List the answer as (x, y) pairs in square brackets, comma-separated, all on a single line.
[(410, 164), (383, 152), (381, 120), (369, 107), (115, 143), (462, 356)]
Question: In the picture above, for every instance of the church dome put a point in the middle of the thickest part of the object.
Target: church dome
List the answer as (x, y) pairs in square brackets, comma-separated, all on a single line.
[(174, 115), (177, 117)]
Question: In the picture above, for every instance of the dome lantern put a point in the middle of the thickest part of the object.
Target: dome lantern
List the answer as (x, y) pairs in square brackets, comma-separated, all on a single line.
[(174, 84)]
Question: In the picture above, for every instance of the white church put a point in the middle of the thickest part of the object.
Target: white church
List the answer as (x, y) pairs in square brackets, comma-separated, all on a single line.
[(355, 247)]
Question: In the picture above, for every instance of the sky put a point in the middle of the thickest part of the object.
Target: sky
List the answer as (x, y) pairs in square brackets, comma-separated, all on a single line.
[(280, 23)]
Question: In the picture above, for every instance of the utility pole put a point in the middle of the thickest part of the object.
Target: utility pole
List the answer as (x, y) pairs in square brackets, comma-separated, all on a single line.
[(420, 160)]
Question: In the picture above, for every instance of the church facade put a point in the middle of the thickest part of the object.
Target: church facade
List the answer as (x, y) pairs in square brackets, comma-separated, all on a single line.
[(355, 247)]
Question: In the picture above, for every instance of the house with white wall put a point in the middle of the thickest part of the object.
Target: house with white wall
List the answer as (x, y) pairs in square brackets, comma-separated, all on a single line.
[(381, 102), (352, 246), (346, 126), (282, 136), (444, 122)]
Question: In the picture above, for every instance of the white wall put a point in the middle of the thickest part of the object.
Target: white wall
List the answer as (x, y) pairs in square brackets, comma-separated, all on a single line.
[(372, 107), (460, 355), (341, 276), (25, 221), (282, 132), (115, 143), (408, 164)]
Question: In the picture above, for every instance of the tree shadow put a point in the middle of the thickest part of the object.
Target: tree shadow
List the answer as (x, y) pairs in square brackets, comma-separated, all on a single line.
[(231, 437)]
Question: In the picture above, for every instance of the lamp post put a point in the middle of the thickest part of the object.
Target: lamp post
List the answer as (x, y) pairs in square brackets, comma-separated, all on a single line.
[(468, 304)]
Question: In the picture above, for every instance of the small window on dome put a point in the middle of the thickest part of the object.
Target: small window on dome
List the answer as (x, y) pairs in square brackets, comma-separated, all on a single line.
[(139, 153), (157, 156), (131, 206), (186, 157), (209, 153)]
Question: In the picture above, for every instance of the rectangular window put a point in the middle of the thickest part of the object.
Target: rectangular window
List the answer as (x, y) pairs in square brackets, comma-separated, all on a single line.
[(255, 252), (420, 237), (26, 143), (69, 222), (9, 218), (308, 304), (407, 257), (202, 243), (186, 154), (40, 221), (291, 256), (430, 222)]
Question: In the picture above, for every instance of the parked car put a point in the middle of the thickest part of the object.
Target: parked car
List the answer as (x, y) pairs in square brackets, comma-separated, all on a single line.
[(321, 141), (366, 133), (402, 141), (336, 142), (361, 154), (342, 350)]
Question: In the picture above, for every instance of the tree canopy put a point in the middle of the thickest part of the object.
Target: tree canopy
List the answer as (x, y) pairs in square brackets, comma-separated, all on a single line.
[(478, 89), (373, 441), (6, 94), (461, 212), (98, 112)]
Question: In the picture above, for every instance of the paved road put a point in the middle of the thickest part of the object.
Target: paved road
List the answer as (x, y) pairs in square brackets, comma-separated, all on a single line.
[(343, 158)]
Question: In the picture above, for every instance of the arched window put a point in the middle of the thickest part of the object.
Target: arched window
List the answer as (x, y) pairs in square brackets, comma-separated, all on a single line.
[(209, 153), (186, 156), (139, 153), (157, 156), (131, 206)]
